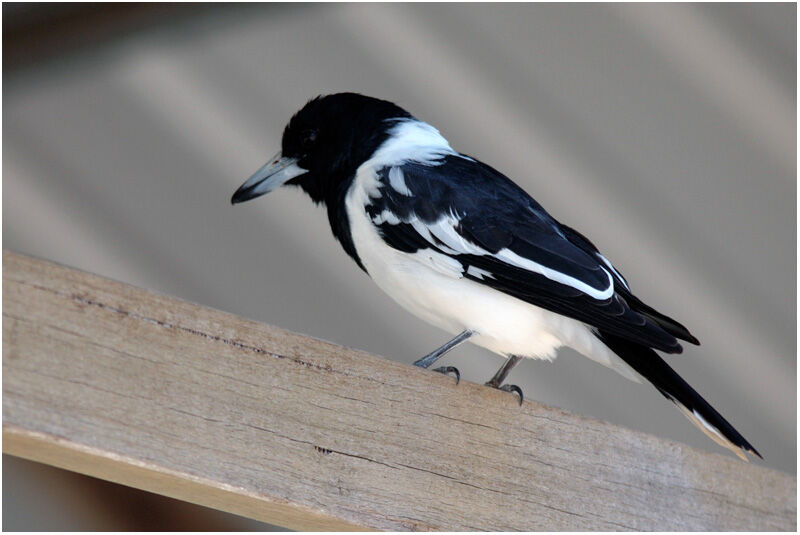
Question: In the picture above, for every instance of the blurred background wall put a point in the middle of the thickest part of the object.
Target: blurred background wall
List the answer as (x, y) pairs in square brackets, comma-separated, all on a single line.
[(667, 133)]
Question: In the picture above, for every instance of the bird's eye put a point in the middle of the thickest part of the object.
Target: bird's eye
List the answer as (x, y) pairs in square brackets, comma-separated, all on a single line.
[(308, 137)]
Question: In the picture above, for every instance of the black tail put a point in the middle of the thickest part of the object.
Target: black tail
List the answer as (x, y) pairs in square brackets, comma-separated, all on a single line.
[(665, 322), (649, 365)]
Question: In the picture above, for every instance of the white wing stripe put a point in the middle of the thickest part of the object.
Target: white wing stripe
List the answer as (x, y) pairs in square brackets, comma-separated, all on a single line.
[(387, 216), (398, 181), (607, 263), (479, 273), (510, 257), (425, 231), (444, 230)]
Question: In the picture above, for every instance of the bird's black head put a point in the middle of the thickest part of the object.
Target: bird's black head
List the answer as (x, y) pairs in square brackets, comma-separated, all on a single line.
[(323, 145)]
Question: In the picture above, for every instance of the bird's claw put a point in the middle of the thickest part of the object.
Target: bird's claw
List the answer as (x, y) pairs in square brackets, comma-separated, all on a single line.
[(513, 388), (448, 370), (508, 388)]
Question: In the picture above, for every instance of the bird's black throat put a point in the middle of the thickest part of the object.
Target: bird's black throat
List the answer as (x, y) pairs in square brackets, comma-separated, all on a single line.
[(340, 222)]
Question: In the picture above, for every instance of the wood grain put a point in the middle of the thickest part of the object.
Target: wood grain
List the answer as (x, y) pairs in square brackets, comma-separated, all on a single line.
[(164, 395)]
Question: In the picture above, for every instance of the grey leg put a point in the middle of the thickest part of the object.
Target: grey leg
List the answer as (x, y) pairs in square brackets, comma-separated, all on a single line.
[(502, 373), (435, 355)]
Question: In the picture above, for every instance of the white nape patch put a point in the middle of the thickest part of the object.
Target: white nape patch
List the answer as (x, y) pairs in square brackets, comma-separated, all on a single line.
[(398, 181), (607, 263), (509, 256), (410, 140), (479, 273), (711, 431), (387, 216)]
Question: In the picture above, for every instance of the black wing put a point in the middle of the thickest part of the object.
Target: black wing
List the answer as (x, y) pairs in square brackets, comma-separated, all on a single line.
[(504, 239)]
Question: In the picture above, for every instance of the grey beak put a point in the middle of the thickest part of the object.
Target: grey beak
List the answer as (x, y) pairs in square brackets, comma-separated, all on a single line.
[(273, 174)]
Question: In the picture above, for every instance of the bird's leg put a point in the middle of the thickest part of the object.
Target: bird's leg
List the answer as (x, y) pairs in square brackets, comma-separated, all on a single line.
[(502, 373), (433, 356), (436, 354)]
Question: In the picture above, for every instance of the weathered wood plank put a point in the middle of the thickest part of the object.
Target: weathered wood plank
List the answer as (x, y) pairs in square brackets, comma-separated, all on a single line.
[(153, 392)]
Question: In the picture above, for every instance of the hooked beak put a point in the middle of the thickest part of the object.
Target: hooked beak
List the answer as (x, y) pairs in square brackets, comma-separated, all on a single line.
[(273, 174)]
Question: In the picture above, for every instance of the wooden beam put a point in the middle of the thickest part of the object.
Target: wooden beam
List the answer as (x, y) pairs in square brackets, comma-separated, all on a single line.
[(168, 396)]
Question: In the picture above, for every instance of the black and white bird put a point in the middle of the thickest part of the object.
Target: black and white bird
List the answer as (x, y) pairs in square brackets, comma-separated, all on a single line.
[(460, 245)]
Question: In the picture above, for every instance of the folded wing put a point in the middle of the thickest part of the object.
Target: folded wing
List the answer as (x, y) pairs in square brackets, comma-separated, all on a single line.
[(505, 240)]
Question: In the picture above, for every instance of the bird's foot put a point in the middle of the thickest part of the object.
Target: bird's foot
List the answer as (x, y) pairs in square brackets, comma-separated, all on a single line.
[(507, 388), (447, 370)]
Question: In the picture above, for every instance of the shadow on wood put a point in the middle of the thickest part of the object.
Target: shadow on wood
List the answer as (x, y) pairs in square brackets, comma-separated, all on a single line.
[(171, 397)]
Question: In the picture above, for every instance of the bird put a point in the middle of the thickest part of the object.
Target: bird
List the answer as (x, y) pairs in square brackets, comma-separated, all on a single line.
[(460, 245)]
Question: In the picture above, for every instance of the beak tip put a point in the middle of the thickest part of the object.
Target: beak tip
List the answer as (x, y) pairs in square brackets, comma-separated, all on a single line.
[(272, 175), (243, 194)]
